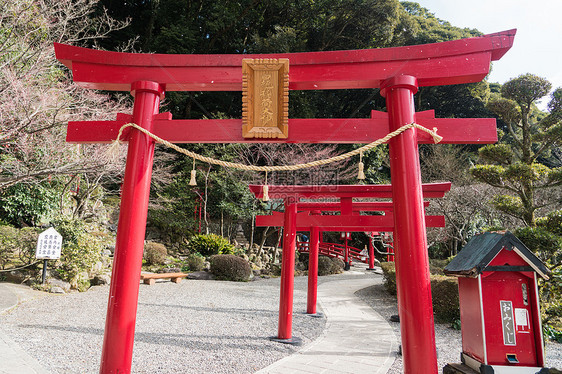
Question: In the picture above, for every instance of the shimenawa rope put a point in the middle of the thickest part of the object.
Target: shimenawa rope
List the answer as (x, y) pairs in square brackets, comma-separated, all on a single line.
[(235, 165)]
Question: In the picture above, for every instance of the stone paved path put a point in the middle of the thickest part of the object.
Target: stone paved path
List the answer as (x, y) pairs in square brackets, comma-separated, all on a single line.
[(356, 338)]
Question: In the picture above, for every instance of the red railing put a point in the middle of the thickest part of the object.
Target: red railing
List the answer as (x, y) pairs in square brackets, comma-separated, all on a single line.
[(335, 250)]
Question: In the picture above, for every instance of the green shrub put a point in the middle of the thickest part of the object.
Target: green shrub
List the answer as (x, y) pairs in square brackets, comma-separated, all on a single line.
[(17, 246), (195, 262), (80, 251), (545, 244), (8, 245), (436, 266), (545, 241), (324, 265), (328, 266), (154, 253), (337, 265), (210, 245), (172, 226), (231, 268), (28, 205), (444, 291), (552, 222), (445, 294), (551, 300), (389, 275)]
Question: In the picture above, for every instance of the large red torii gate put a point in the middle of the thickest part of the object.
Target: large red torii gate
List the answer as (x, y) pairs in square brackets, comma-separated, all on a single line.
[(307, 217), (398, 72)]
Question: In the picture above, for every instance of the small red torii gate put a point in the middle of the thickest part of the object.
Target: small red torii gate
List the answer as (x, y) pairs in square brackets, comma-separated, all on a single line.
[(276, 218), (310, 219), (398, 72)]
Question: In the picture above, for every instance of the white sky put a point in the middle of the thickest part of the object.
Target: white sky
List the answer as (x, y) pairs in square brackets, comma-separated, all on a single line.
[(538, 43)]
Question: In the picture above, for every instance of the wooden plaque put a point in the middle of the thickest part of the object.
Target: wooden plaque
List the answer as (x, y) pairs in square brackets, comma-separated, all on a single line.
[(265, 98)]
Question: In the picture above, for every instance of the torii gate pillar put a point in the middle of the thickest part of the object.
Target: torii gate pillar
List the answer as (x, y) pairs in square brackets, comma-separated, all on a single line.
[(284, 333), (412, 263), (313, 250), (119, 335)]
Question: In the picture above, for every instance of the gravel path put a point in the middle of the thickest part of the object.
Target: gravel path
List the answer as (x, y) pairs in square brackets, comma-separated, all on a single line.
[(192, 327), (448, 341)]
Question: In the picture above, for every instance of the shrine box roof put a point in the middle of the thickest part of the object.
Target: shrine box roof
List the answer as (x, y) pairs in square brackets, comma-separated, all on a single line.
[(479, 252)]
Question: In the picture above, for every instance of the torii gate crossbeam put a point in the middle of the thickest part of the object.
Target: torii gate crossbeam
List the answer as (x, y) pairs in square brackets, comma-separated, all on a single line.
[(309, 218), (397, 71)]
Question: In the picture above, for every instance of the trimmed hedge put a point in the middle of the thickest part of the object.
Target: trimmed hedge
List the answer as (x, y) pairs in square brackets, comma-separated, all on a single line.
[(328, 265), (155, 253), (445, 294), (389, 275), (195, 262), (230, 268), (17, 246), (444, 291)]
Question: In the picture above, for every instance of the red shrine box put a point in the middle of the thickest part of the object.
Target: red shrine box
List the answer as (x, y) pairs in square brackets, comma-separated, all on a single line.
[(499, 304)]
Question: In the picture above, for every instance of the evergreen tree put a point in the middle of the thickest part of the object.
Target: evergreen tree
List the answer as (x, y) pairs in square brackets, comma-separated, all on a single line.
[(514, 164)]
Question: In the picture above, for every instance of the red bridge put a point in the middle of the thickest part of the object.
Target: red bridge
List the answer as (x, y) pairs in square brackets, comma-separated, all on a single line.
[(335, 250)]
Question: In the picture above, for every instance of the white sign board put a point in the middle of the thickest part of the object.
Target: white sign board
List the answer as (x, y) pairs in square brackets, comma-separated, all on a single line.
[(49, 245)]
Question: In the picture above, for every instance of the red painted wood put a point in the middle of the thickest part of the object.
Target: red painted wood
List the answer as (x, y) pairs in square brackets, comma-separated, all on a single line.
[(371, 255), (372, 206), (472, 324), (537, 321), (434, 64), (506, 285), (453, 62), (430, 190), (411, 258), (312, 294), (287, 272), (123, 294), (332, 131), (482, 319), (342, 222)]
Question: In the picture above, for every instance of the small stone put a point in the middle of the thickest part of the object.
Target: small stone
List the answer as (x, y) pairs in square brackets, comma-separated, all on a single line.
[(171, 270), (97, 267), (15, 276), (53, 282), (56, 289), (101, 280), (201, 275)]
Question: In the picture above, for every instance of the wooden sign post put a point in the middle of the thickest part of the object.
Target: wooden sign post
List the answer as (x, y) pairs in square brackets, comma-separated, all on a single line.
[(49, 246)]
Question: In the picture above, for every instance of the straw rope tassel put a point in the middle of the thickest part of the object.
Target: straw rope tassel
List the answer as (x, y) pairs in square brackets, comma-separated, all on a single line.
[(361, 173), (265, 190), (193, 180), (113, 150)]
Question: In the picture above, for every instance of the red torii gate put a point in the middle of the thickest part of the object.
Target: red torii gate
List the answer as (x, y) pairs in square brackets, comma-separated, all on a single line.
[(398, 72), (348, 220)]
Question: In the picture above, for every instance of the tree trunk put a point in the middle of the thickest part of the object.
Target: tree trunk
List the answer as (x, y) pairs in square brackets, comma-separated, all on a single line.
[(205, 200), (222, 223), (276, 252), (263, 239), (252, 229)]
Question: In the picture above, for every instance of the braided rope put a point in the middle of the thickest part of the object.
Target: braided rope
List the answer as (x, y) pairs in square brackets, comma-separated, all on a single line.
[(235, 165)]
